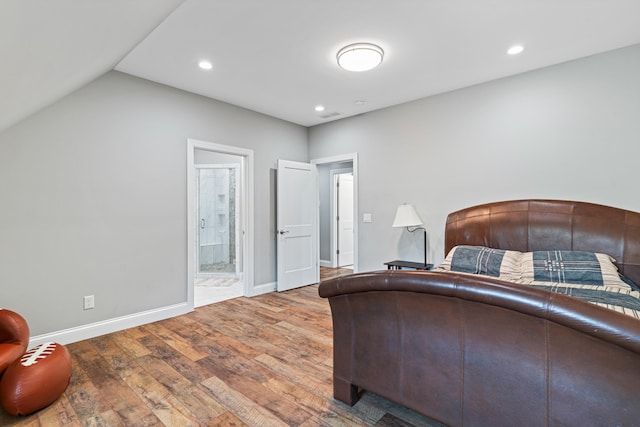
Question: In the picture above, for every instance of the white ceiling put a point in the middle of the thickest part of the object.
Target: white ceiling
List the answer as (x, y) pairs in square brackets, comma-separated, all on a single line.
[(49, 48), (277, 57)]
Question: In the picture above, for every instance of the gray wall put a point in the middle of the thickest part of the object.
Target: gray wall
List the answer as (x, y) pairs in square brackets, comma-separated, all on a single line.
[(93, 198), (570, 131)]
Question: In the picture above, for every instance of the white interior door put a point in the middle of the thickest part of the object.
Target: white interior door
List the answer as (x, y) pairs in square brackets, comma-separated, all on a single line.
[(345, 219), (297, 225)]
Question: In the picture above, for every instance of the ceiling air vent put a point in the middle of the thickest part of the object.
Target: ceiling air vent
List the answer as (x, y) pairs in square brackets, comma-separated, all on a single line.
[(329, 115)]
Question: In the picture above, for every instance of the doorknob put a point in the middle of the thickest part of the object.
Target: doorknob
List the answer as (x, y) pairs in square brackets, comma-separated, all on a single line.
[(202, 223)]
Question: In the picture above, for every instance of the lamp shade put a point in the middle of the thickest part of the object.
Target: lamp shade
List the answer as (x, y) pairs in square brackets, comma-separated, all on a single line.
[(406, 216)]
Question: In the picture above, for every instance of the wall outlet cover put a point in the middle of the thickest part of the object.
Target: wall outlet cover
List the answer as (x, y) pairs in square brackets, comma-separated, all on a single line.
[(89, 302)]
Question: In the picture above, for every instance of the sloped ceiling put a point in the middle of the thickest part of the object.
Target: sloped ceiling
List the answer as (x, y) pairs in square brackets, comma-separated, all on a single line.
[(277, 57), (49, 48)]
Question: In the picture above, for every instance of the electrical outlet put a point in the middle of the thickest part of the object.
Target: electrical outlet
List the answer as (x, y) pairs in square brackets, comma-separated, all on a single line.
[(89, 302)]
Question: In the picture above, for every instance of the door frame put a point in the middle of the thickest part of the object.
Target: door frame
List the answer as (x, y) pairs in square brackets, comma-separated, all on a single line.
[(246, 213), (353, 158)]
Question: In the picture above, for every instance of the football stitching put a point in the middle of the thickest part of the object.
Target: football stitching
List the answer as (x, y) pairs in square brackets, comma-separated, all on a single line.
[(40, 352)]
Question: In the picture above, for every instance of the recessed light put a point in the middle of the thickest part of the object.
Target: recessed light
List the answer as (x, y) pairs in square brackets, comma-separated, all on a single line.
[(516, 49), (360, 56), (359, 102), (205, 65), (319, 108)]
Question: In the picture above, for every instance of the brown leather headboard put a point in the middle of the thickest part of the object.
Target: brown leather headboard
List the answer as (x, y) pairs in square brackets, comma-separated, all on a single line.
[(534, 225)]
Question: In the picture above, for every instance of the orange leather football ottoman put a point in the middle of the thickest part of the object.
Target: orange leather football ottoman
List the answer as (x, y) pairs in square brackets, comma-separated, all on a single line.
[(35, 379)]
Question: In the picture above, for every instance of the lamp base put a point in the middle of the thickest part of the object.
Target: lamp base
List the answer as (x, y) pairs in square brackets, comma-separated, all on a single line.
[(425, 241)]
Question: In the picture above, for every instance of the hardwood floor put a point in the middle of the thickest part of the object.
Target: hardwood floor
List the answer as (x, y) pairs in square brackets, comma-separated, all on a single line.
[(329, 273), (262, 361)]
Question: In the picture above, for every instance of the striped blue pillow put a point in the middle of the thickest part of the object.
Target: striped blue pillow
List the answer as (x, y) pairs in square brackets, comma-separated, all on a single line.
[(477, 260)]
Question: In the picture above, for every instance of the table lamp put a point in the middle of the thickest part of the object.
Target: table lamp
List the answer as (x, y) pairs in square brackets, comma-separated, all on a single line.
[(406, 216)]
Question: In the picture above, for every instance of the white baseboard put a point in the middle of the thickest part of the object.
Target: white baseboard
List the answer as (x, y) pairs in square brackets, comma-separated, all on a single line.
[(325, 263), (93, 330)]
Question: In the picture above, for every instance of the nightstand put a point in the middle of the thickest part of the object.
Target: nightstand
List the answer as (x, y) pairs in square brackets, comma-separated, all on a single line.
[(399, 265)]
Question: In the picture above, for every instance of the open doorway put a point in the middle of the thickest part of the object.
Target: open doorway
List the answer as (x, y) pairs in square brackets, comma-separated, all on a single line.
[(218, 207), (338, 197), (342, 218), (219, 244), (219, 222)]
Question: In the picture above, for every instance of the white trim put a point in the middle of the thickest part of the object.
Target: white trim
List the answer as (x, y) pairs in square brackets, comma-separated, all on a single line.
[(353, 157), (247, 212), (325, 263), (92, 330)]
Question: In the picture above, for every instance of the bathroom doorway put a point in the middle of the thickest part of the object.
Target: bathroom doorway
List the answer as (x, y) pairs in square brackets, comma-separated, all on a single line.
[(217, 219), (219, 224)]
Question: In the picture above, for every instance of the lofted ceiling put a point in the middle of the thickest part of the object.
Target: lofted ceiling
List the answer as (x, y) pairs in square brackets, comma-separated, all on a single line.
[(277, 57)]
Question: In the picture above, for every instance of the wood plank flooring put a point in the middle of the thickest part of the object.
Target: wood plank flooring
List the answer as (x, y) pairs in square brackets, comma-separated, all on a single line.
[(261, 361)]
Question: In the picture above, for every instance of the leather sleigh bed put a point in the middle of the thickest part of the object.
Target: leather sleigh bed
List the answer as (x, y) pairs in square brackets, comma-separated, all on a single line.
[(474, 350)]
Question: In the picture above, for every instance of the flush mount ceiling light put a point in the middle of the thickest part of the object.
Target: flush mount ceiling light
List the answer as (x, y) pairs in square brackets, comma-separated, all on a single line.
[(360, 56)]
